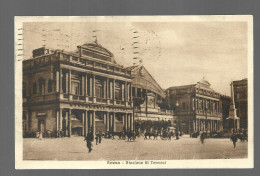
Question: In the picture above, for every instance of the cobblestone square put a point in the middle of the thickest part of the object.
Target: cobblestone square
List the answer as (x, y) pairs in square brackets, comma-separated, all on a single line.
[(186, 148)]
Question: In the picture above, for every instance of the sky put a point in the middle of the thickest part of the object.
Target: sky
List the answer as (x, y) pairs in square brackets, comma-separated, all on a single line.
[(175, 53)]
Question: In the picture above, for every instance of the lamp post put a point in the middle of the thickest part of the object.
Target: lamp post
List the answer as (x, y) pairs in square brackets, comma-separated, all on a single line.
[(178, 121)]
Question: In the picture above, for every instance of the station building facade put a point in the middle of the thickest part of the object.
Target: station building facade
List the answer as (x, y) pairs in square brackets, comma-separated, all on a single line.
[(70, 93), (197, 107), (148, 97)]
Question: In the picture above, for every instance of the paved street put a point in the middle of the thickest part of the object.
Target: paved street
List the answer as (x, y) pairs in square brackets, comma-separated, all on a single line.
[(186, 148)]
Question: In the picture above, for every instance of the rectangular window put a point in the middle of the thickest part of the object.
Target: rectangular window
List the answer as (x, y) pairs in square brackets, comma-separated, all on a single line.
[(49, 85), (34, 88), (133, 91)]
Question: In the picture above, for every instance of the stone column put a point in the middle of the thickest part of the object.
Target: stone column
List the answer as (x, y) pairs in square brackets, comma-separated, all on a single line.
[(61, 81), (94, 123), (126, 94), (123, 92), (123, 119), (194, 127), (132, 122), (108, 121), (218, 106), (94, 89), (60, 126), (108, 97), (83, 123), (82, 85), (111, 123), (203, 103), (70, 96), (86, 122), (67, 83), (128, 122), (57, 81), (57, 121), (105, 90), (114, 121), (90, 87), (203, 124), (111, 90), (114, 91), (130, 92), (104, 118), (91, 121), (86, 88), (66, 124), (69, 122), (198, 125)]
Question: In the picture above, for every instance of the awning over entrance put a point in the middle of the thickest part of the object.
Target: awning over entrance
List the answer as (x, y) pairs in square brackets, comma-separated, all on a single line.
[(76, 123)]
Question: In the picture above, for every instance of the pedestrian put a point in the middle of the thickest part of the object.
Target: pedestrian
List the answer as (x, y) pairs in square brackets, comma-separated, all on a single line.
[(234, 139), (96, 139), (202, 137), (89, 138), (99, 136), (177, 135)]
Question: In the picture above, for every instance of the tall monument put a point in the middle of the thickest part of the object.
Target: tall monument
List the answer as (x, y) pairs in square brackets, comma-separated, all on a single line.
[(233, 120)]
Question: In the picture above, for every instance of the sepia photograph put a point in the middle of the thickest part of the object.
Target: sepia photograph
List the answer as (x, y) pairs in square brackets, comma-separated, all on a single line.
[(133, 92)]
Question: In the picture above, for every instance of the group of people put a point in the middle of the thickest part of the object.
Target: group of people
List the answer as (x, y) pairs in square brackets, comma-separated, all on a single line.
[(90, 138), (234, 138)]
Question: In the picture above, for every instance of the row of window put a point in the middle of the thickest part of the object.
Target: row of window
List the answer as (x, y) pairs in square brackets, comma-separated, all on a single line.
[(41, 84)]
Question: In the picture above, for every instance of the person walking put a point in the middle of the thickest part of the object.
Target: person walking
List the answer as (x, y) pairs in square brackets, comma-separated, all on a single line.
[(89, 138), (234, 139), (99, 137), (202, 137), (96, 139), (177, 135)]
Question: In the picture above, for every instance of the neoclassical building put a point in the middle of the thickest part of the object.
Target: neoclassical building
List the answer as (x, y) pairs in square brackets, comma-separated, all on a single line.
[(197, 107), (148, 97), (73, 92)]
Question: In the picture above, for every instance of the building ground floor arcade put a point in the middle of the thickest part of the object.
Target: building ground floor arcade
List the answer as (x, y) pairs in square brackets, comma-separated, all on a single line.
[(76, 120), (190, 125)]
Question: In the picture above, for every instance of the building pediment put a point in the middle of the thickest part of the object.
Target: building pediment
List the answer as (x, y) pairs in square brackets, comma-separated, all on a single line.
[(203, 84), (97, 51)]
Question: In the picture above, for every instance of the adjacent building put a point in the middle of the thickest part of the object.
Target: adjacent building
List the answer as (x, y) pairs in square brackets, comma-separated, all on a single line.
[(197, 107), (241, 98), (70, 93)]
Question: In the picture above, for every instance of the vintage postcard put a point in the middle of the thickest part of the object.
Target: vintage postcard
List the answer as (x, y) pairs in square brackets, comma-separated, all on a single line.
[(133, 92)]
